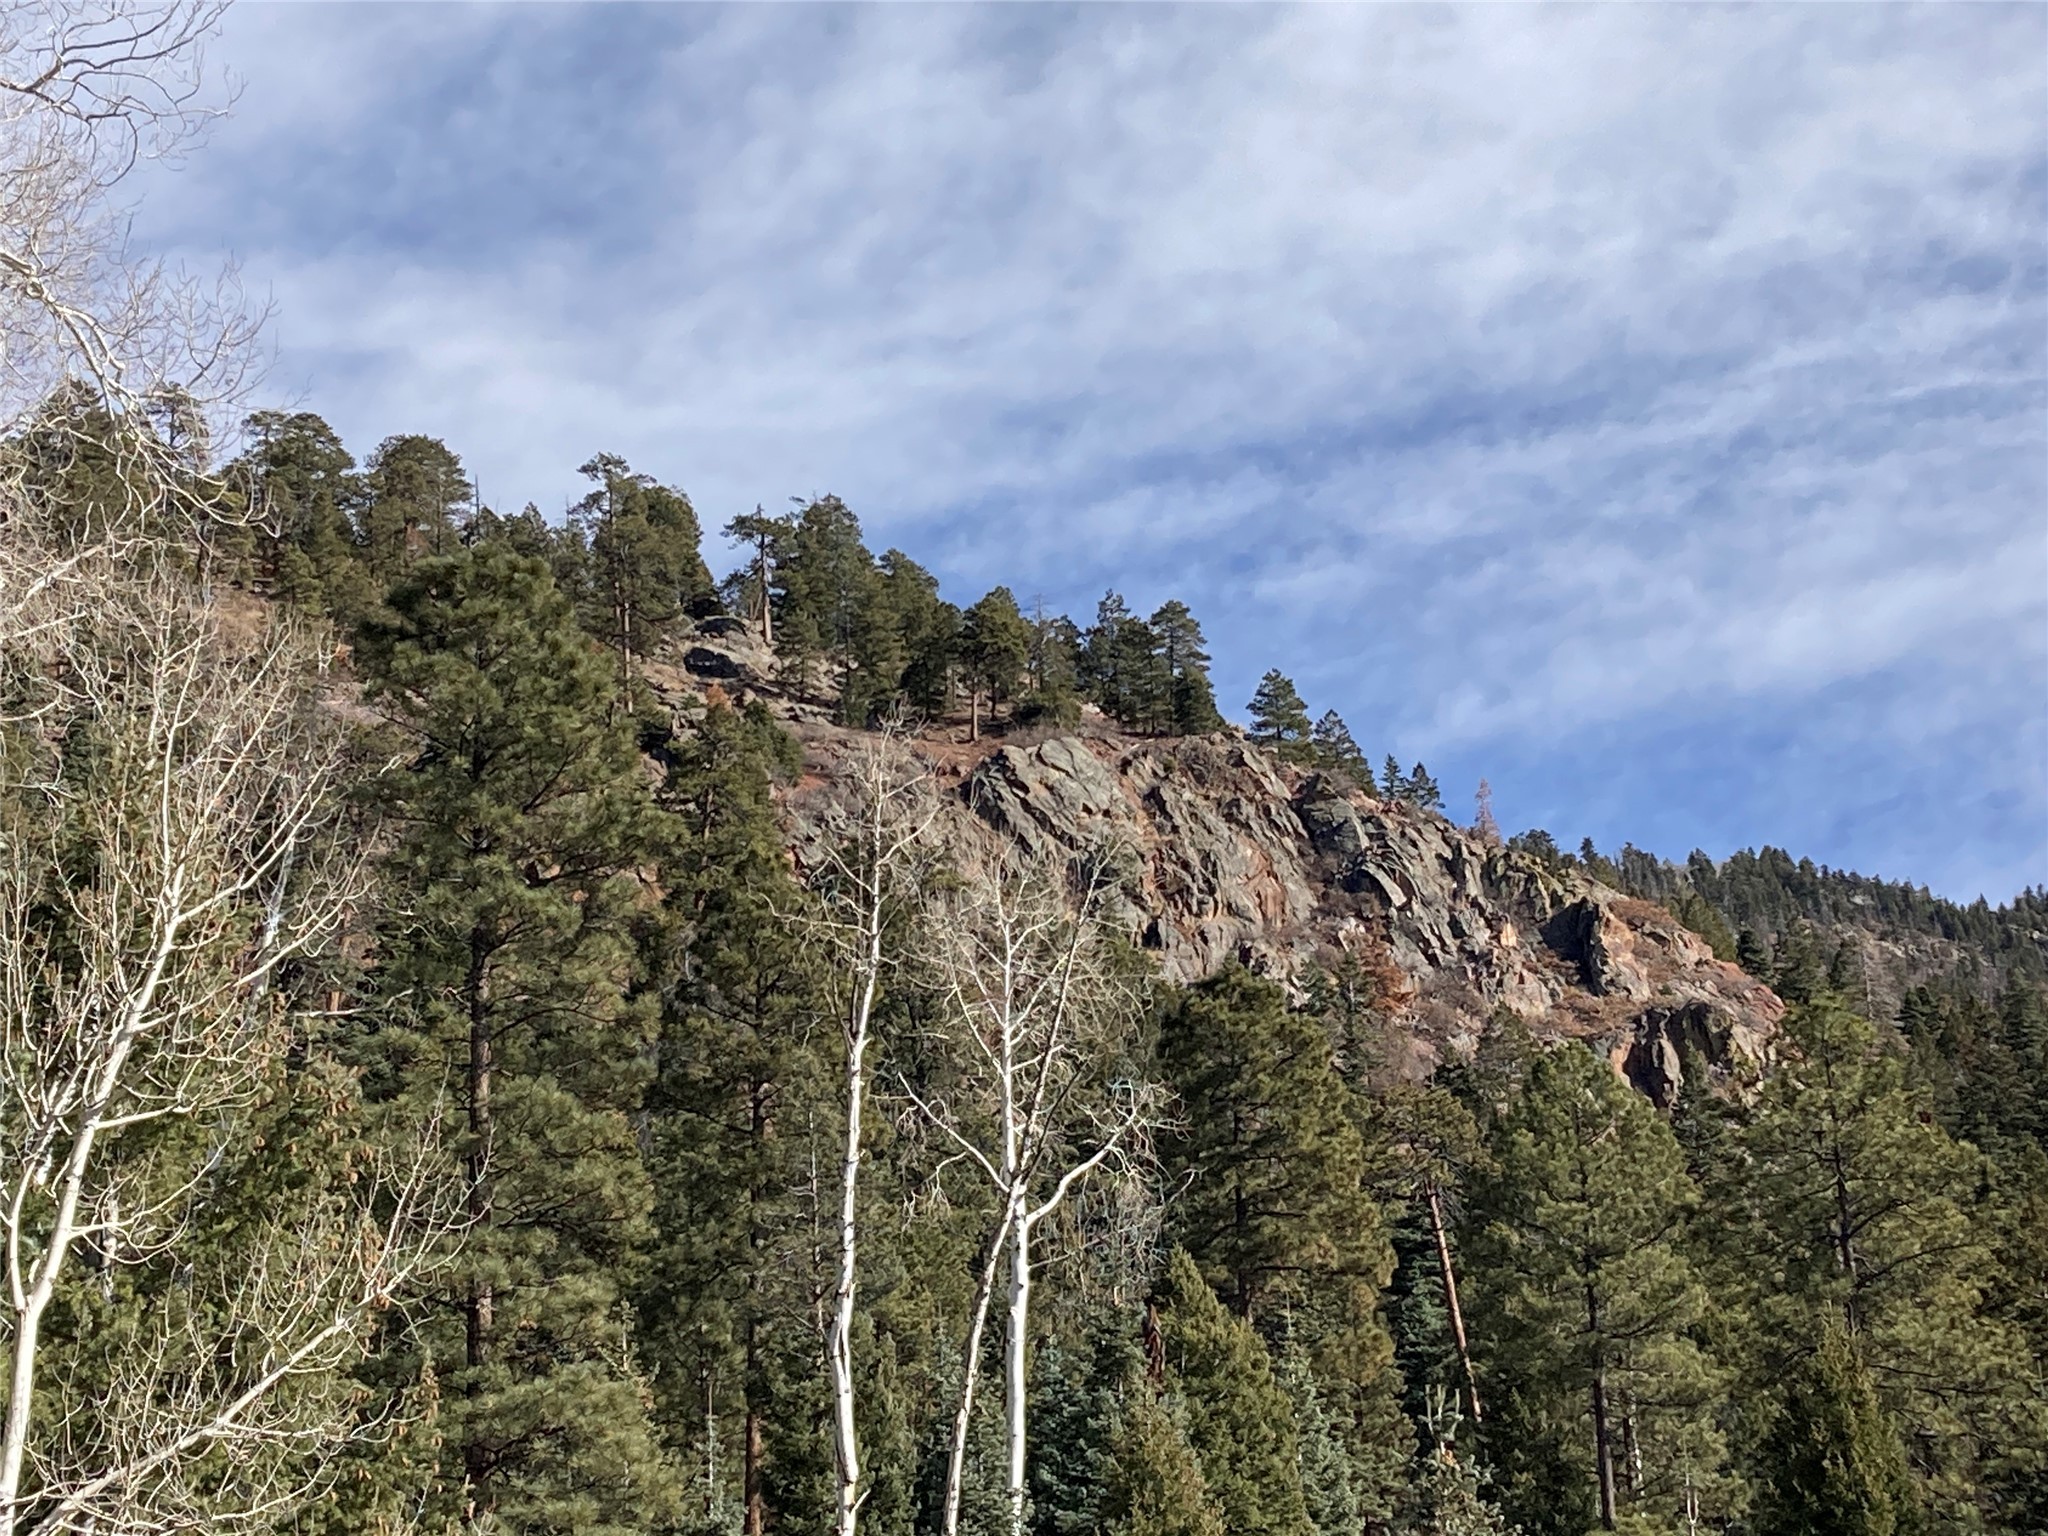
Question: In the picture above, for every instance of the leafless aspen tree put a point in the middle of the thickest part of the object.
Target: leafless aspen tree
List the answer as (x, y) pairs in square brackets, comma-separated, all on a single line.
[(1039, 1021), (164, 854), (861, 884), (88, 91)]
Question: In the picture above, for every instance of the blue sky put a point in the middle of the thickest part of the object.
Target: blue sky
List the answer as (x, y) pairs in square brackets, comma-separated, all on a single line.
[(1643, 407)]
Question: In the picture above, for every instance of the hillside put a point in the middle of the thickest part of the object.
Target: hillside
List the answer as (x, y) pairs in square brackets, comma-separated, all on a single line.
[(1237, 855)]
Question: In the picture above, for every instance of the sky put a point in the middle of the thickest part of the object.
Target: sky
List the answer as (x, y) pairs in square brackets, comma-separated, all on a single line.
[(1642, 407)]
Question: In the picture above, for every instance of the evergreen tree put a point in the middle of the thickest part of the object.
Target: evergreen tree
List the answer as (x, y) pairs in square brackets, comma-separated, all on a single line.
[(724, 1305), (1854, 1200), (1798, 974), (418, 492), (1238, 1418), (1155, 1486), (1587, 1305), (825, 587), (1328, 1489), (1336, 752), (1393, 783), (1076, 1419), (1279, 718), (995, 645), (1112, 662), (646, 568), (1421, 790), (1270, 1155), (1191, 700), (1055, 671), (508, 963), (301, 485), (1751, 954), (1834, 1463), (929, 631)]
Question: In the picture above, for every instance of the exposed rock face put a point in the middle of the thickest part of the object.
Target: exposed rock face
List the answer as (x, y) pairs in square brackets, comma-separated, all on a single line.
[(1233, 855)]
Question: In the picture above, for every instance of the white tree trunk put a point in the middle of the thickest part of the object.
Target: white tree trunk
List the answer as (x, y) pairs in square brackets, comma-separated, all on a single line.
[(1016, 1360), (963, 1414), (839, 1343)]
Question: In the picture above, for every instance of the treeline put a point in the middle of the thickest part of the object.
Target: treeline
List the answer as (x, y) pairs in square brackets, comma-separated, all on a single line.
[(902, 1198)]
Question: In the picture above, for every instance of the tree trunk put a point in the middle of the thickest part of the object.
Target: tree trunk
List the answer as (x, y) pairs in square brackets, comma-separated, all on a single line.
[(974, 714), (753, 1390), (839, 1339), (755, 1515), (1017, 1350), (480, 1306), (1450, 1278), (1603, 1449), (963, 1415)]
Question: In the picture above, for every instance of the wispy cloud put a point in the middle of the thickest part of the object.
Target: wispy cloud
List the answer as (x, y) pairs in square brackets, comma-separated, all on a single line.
[(1586, 397)]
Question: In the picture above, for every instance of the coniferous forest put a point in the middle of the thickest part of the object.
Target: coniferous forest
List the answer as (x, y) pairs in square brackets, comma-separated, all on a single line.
[(443, 1094)]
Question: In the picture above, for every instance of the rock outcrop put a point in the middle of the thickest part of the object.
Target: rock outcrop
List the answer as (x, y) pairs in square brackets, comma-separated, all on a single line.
[(1229, 854), (1234, 856)]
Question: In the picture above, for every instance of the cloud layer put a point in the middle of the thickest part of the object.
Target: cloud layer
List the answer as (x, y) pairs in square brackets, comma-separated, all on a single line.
[(1641, 406)]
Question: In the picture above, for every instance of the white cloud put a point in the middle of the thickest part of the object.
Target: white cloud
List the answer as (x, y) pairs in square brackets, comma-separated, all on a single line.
[(1506, 371)]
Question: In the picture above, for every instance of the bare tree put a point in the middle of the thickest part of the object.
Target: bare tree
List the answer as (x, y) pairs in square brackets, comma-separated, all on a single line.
[(1039, 1024), (165, 854), (97, 346), (862, 884)]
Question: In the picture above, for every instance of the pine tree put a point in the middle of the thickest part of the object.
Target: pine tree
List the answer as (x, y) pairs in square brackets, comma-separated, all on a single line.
[(301, 484), (1587, 1305), (929, 634), (1279, 718), (508, 966), (1336, 752), (1119, 663), (1393, 783), (1239, 1420), (1271, 1157), (1054, 669), (1075, 1417), (1798, 974), (1834, 1465), (1191, 700), (1329, 1490), (1855, 1200), (1422, 790), (418, 492), (1156, 1486), (1751, 954), (646, 568), (724, 1305), (995, 645)]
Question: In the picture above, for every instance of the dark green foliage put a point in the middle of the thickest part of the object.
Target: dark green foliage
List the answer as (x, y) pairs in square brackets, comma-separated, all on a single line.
[(1272, 1161), (1329, 1490), (1834, 1466), (995, 647), (508, 965), (1585, 1304), (1189, 705), (1751, 954), (1336, 752), (1279, 718), (418, 493), (301, 485), (1239, 1421), (1853, 1199), (1421, 790), (645, 569), (1156, 1485)]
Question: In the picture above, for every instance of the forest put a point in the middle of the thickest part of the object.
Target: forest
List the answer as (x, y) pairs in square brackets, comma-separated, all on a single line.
[(437, 1099)]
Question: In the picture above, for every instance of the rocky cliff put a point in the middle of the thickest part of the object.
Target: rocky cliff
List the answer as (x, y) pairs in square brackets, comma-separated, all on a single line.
[(1233, 855)]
